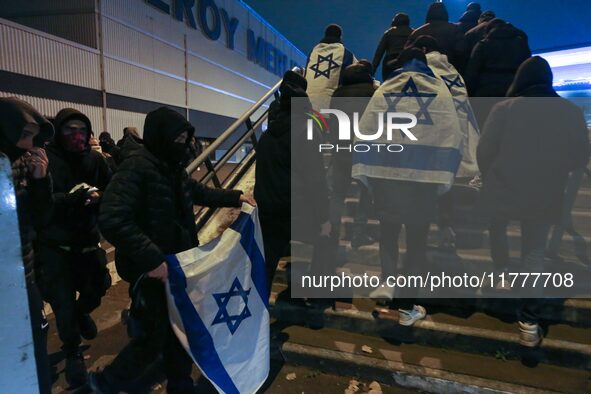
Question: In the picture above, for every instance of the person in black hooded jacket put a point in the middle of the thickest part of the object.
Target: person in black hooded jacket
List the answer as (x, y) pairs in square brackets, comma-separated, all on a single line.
[(69, 258), (527, 149), (147, 213), (495, 60), (470, 18), (392, 43), (23, 133), (478, 32), (282, 183), (449, 36), (352, 97)]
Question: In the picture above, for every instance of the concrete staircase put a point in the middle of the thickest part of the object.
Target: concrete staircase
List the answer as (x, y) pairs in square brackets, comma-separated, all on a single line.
[(464, 345)]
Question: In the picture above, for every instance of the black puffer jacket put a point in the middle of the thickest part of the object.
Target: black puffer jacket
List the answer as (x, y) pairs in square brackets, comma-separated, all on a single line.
[(392, 43), (528, 146), (147, 209), (33, 196), (449, 36), (495, 60), (72, 223)]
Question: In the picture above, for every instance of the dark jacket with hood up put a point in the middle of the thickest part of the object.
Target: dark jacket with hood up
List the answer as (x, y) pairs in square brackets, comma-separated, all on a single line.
[(478, 32), (33, 196), (469, 19), (147, 209), (528, 146), (495, 60), (358, 84), (449, 36), (276, 173), (392, 42), (72, 223)]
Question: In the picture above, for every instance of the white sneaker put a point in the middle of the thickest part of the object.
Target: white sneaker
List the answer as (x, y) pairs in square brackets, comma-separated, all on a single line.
[(530, 335), (382, 293), (409, 317)]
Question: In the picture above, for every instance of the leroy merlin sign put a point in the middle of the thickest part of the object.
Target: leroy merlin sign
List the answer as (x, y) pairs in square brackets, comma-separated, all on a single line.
[(211, 19)]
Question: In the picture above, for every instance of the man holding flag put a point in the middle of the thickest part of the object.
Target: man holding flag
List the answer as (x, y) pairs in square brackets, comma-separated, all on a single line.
[(147, 214)]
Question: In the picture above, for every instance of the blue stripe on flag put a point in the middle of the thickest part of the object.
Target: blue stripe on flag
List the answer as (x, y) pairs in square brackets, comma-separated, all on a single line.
[(245, 226), (200, 341), (417, 157)]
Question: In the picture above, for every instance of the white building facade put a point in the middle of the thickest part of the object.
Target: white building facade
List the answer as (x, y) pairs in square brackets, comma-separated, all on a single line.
[(115, 60)]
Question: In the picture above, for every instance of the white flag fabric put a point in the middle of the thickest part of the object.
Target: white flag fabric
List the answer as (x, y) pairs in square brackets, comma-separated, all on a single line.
[(436, 154), (323, 71), (447, 72), (218, 307)]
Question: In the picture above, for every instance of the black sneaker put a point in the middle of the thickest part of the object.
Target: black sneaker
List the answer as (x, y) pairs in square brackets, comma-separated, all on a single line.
[(87, 326), (99, 384), (76, 374)]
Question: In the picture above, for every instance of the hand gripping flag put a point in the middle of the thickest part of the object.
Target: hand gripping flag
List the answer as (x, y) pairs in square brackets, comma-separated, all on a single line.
[(435, 155), (442, 67), (218, 308)]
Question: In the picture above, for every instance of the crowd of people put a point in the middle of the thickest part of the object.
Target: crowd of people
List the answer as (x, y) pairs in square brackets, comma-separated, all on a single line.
[(505, 146), (74, 190)]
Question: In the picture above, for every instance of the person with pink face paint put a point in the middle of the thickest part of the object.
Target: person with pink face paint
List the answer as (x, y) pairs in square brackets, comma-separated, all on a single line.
[(69, 258)]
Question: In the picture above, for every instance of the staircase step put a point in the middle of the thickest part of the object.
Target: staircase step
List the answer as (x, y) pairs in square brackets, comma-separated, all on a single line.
[(477, 333), (423, 368)]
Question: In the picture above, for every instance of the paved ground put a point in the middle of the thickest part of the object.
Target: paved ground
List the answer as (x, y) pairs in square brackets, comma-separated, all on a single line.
[(284, 379)]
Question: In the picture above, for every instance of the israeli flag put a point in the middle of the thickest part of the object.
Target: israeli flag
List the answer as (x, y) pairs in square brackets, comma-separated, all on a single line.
[(457, 87), (434, 155), (217, 303), (323, 71)]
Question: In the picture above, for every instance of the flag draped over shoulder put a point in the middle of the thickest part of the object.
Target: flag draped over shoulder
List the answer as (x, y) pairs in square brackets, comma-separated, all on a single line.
[(436, 154), (323, 71), (469, 126), (218, 307)]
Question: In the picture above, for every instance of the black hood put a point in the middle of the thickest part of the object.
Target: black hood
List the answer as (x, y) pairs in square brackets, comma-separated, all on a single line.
[(401, 19), (161, 128), (534, 73), (66, 115), (15, 114), (470, 16), (357, 73), (502, 31), (293, 85), (437, 12)]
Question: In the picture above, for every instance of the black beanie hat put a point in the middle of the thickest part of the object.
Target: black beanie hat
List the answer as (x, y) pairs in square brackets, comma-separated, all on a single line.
[(474, 7), (427, 42), (296, 79), (486, 16), (333, 30), (409, 54)]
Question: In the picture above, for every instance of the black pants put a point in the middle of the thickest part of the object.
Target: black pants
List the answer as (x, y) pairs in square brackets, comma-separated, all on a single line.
[(534, 236), (276, 236), (39, 328), (446, 210), (60, 274), (157, 338), (415, 259)]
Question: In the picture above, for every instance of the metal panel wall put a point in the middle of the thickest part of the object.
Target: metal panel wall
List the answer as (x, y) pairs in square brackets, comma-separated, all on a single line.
[(118, 120), (78, 28), (49, 107), (30, 52)]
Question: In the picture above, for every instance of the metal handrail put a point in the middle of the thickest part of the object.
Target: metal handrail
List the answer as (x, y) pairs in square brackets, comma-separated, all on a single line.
[(204, 214), (231, 130)]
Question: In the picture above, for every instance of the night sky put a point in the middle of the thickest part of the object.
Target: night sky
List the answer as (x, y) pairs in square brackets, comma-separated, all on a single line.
[(549, 23)]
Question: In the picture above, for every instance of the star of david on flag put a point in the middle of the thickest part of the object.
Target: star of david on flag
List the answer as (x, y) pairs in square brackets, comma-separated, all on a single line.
[(217, 304), (332, 65), (423, 100), (222, 299)]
